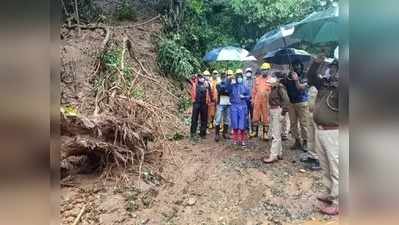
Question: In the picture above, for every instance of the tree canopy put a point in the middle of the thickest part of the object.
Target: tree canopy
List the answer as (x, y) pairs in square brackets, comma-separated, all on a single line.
[(201, 25)]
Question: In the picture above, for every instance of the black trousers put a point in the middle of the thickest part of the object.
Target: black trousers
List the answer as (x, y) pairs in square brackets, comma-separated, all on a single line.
[(200, 110)]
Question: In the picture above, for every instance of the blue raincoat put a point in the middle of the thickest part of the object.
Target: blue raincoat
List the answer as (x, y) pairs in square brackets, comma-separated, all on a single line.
[(239, 97)]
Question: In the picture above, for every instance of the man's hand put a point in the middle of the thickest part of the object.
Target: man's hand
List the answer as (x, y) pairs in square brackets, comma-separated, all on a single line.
[(320, 58), (294, 76)]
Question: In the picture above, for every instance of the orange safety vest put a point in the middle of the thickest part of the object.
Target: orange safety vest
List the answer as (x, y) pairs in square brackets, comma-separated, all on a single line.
[(261, 88), (194, 91)]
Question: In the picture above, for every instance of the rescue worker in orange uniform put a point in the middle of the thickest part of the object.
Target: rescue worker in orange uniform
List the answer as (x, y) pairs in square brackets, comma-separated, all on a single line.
[(200, 96), (260, 100), (212, 103)]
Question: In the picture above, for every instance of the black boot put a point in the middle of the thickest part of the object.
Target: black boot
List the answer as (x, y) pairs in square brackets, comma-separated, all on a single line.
[(304, 146), (265, 137), (217, 133), (226, 132), (314, 165), (297, 144), (254, 132)]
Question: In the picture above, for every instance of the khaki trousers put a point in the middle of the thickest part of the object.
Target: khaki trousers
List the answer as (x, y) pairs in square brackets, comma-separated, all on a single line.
[(299, 112), (327, 148), (276, 148), (285, 120)]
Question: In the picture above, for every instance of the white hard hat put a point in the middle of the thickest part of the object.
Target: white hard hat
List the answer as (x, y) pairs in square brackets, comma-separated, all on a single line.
[(272, 80), (248, 70)]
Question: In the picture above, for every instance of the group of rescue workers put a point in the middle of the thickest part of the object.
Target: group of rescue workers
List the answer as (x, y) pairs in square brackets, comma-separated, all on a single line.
[(237, 104)]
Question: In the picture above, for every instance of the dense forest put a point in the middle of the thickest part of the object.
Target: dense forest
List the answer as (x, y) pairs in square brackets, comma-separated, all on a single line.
[(126, 109), (192, 27)]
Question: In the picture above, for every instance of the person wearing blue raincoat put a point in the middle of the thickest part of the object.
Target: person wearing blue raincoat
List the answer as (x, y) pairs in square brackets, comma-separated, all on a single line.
[(239, 96)]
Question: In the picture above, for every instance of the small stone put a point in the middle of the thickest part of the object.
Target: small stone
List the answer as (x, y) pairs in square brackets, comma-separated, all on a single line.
[(302, 171), (191, 201)]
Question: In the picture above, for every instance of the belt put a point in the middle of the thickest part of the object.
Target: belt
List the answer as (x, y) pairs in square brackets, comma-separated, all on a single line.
[(275, 107), (329, 127)]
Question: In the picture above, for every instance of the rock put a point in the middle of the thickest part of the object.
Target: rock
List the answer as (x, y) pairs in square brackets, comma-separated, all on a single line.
[(191, 201), (178, 202), (302, 171)]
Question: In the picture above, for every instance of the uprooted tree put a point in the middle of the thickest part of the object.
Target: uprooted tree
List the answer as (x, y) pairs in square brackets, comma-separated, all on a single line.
[(116, 114)]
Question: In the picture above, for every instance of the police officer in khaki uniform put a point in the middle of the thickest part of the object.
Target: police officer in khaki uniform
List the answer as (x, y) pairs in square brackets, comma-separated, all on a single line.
[(325, 116)]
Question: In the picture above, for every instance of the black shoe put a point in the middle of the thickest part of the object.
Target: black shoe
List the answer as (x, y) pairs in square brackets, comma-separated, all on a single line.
[(217, 133), (304, 146), (306, 158), (193, 138), (297, 145), (314, 166), (226, 132)]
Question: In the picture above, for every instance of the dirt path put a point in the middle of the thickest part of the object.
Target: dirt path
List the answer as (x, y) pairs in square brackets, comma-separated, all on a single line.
[(206, 183)]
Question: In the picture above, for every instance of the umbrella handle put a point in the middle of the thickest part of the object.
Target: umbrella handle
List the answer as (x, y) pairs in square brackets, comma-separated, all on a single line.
[(285, 46), (289, 57)]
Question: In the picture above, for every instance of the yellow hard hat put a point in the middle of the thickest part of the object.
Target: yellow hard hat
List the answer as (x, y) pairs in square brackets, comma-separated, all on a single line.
[(230, 72), (265, 66), (206, 73), (238, 71), (215, 72)]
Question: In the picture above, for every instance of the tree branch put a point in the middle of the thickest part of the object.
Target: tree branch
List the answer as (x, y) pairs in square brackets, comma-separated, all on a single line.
[(77, 16)]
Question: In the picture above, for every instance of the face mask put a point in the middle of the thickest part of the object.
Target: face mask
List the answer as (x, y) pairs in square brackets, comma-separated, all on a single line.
[(273, 80), (248, 74), (201, 80), (218, 79), (233, 81), (239, 80)]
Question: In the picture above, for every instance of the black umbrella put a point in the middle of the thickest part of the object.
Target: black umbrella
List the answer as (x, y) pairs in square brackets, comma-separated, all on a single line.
[(287, 56)]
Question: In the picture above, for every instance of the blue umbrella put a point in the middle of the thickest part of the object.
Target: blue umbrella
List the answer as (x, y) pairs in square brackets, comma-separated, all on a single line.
[(228, 53), (277, 38), (287, 56)]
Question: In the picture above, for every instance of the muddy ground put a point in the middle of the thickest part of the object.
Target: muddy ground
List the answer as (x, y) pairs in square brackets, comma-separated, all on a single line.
[(206, 183)]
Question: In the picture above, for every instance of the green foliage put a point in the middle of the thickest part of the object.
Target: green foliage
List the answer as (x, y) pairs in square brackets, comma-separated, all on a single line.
[(220, 66), (138, 93), (176, 136), (88, 11), (126, 11), (183, 104), (175, 60), (197, 26), (260, 16), (112, 59), (111, 72)]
